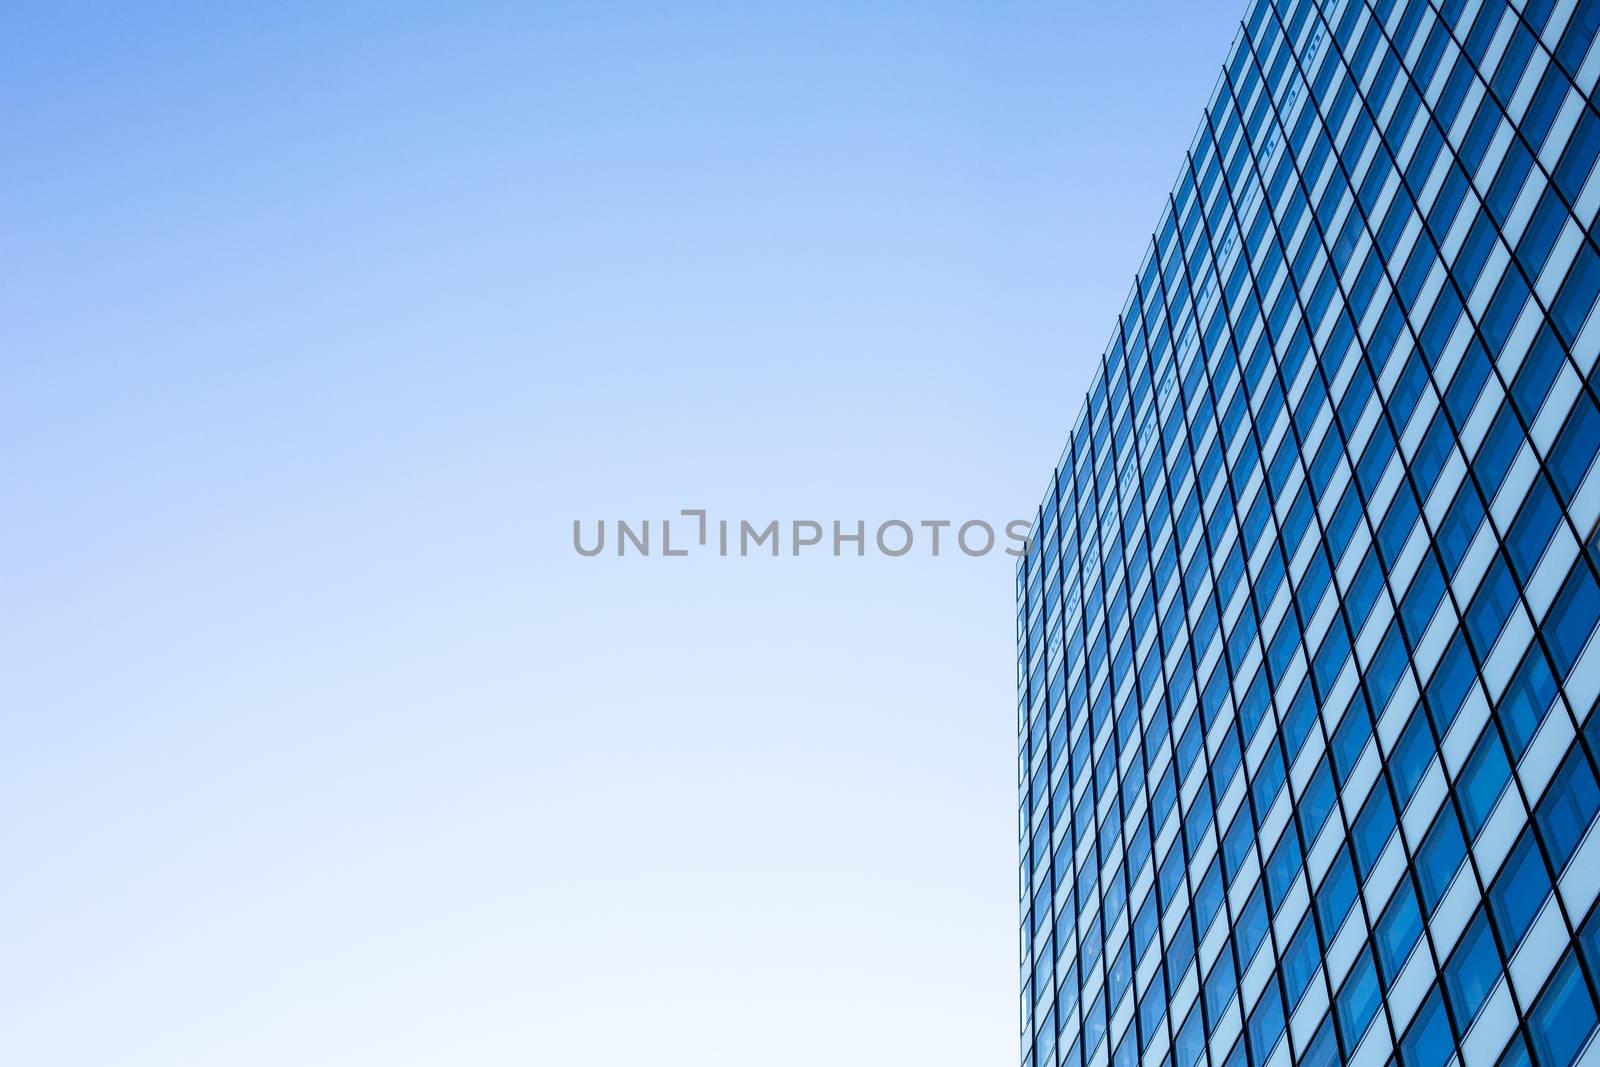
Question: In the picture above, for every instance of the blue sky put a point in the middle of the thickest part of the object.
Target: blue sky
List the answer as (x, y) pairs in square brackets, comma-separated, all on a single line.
[(320, 744)]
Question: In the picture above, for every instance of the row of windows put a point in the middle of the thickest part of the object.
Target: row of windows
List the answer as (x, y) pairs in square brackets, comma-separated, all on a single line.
[(1451, 554), (1300, 511), (1413, 375)]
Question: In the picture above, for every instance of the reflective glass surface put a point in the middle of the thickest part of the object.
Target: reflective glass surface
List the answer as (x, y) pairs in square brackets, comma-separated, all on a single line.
[(1306, 661)]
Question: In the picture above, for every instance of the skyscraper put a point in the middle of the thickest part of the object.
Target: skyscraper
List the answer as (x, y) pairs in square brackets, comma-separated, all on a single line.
[(1306, 684)]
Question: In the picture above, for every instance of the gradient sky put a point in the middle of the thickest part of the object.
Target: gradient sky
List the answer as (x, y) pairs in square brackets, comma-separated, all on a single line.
[(318, 742)]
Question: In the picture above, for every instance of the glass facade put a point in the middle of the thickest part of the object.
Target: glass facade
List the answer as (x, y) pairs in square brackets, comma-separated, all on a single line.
[(1306, 676)]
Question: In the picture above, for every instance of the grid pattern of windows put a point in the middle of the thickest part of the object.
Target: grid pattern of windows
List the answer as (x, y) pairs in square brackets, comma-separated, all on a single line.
[(1306, 678)]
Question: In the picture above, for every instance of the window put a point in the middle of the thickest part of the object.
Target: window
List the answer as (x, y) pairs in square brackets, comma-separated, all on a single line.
[(1252, 927), (1526, 700), (1208, 898), (1438, 859), (1266, 1022), (1568, 807), (1577, 295), (1236, 843), (1482, 781), (1397, 527), (1364, 589), (1297, 723), (1330, 659), (1428, 1042), (1472, 970), (1120, 975), (1321, 1050), (1337, 893), (1191, 1040), (1491, 606), (1351, 736), (1571, 617), (1094, 1023), (1452, 681), (1127, 1054), (1301, 960), (1219, 987), (1180, 953), (1543, 360), (1573, 451), (1499, 448), (1412, 754), (1398, 930), (1516, 1054), (1518, 891), (1532, 530), (1579, 155), (1358, 1000), (1197, 819), (1269, 780), (1386, 669), (1317, 801), (1372, 829), (1421, 601), (1282, 867), (1562, 1016), (1144, 925), (1459, 526)]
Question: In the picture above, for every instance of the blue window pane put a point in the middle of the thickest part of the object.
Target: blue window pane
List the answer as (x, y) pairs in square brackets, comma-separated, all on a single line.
[(1519, 890), (1427, 1043), (1398, 930), (1526, 700), (1127, 1054), (1316, 804), (1236, 843), (1589, 939), (1266, 1022), (1219, 987), (1531, 530), (1473, 969), (1180, 953), (1094, 1024), (1282, 867), (1451, 682), (1439, 858), (1572, 617), (1460, 524), (1152, 1006), (1144, 925), (1350, 738), (1120, 975), (1300, 961), (1337, 893), (1358, 1000), (1372, 829), (1323, 1048), (1421, 602), (1574, 452), (1191, 1040), (1208, 897), (1252, 926), (1568, 806), (1491, 606), (1562, 1017), (1515, 1054), (1483, 780), (1577, 295), (1412, 754)]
